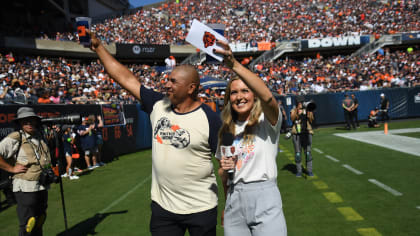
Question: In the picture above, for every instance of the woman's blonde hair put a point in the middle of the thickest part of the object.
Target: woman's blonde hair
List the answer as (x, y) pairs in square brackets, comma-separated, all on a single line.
[(229, 116)]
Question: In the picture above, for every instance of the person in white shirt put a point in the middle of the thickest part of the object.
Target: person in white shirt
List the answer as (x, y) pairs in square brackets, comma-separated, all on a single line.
[(251, 115)]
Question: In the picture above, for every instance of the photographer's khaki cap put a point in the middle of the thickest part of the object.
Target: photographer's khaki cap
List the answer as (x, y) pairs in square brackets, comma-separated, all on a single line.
[(25, 112)]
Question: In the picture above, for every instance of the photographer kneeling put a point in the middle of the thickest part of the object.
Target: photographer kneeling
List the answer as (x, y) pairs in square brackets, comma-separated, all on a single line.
[(302, 118), (28, 158)]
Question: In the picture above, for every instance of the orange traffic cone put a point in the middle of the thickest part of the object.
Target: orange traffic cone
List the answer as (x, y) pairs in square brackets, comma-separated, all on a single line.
[(386, 128)]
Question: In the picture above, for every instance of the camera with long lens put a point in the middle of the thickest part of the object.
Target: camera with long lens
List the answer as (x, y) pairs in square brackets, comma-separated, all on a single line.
[(47, 174), (48, 177), (68, 119), (309, 105)]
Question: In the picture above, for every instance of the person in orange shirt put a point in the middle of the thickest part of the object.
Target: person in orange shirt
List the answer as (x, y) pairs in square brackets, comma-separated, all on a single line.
[(45, 97)]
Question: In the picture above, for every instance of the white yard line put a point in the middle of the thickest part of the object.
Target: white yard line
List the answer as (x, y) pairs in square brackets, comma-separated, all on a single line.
[(418, 207), (125, 195), (385, 187), (348, 167), (318, 151), (332, 158), (403, 131)]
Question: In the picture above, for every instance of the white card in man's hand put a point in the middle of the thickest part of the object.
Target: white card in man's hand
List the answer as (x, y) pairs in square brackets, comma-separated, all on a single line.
[(204, 38)]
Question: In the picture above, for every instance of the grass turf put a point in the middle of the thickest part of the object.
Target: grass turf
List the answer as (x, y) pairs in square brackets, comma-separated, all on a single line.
[(115, 199)]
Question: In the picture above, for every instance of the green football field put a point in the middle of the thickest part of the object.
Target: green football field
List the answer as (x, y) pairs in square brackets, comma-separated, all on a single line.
[(358, 189)]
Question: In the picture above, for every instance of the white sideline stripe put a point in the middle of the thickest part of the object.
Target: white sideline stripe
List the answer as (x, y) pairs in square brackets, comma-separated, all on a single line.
[(348, 167), (318, 151), (332, 158), (391, 141), (418, 207), (126, 194), (385, 187)]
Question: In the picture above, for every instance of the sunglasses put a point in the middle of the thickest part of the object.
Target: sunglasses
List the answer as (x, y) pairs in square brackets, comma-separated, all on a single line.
[(29, 121)]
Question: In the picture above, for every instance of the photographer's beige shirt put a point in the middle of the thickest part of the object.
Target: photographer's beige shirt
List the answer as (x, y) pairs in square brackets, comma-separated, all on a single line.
[(8, 149)]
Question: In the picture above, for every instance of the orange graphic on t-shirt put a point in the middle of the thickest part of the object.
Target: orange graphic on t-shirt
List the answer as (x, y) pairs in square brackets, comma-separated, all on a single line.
[(239, 164), (175, 127), (159, 139)]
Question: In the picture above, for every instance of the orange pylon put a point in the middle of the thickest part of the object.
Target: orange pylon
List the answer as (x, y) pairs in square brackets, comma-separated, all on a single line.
[(386, 128)]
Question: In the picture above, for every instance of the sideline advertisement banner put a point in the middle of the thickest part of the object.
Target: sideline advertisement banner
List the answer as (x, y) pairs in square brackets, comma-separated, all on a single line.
[(410, 36), (264, 46), (417, 98), (345, 41), (113, 114), (243, 47), (133, 51)]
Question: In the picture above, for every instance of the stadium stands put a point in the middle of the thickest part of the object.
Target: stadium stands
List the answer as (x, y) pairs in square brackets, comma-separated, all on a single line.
[(34, 80), (258, 20), (31, 80)]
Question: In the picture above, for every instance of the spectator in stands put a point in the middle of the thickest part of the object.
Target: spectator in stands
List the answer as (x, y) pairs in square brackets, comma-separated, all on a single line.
[(67, 98), (80, 97), (16, 92), (3, 94), (252, 116), (170, 62), (31, 95), (44, 97), (55, 98), (183, 198)]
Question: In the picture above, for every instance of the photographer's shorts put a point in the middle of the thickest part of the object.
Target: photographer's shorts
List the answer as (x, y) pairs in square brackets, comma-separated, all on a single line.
[(254, 209), (91, 151)]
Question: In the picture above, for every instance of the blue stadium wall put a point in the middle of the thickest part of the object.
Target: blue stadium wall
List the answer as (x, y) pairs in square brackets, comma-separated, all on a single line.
[(404, 103)]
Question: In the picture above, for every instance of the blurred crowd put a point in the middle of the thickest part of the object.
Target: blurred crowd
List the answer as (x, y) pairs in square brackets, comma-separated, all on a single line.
[(62, 81), (59, 81), (259, 20)]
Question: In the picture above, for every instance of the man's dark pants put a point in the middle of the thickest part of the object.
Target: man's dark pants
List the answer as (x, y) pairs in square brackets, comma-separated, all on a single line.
[(165, 223), (356, 119), (31, 204), (349, 119)]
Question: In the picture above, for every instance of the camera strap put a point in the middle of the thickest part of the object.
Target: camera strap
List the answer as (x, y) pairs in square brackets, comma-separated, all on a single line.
[(20, 144), (36, 151)]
